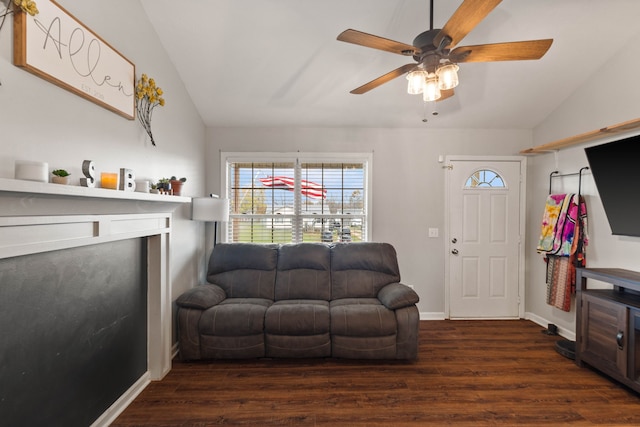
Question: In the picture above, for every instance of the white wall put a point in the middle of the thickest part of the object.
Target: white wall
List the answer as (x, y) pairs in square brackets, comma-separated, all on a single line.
[(408, 183), (40, 121), (610, 96)]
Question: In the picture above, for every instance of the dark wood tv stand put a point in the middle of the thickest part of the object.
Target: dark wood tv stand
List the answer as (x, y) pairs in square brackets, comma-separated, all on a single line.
[(608, 324)]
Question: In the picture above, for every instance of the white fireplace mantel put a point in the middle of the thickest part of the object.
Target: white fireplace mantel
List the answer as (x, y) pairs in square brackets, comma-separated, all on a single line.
[(41, 198), (40, 217), (43, 188)]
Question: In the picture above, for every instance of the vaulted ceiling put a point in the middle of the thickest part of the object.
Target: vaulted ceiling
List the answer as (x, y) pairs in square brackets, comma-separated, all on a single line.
[(278, 63)]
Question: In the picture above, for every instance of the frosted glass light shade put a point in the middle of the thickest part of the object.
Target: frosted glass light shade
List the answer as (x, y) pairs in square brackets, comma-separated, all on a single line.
[(416, 81), (431, 89), (447, 76), (209, 209)]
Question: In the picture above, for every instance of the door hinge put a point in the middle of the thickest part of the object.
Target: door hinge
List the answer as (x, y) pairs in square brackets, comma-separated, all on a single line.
[(449, 167)]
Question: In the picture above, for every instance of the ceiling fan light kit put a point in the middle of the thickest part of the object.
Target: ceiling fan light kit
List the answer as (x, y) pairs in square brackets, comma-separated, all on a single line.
[(431, 89), (435, 73), (430, 84), (447, 76), (417, 80)]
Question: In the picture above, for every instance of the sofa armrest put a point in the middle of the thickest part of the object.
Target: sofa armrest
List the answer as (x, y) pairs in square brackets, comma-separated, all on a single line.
[(202, 297), (397, 295)]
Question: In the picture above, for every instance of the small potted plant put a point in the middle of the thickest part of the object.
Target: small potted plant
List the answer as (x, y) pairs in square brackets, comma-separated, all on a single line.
[(177, 184), (154, 189), (164, 185), (60, 176)]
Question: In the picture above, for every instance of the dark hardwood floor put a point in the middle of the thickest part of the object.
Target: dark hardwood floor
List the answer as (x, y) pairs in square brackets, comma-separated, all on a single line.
[(469, 373)]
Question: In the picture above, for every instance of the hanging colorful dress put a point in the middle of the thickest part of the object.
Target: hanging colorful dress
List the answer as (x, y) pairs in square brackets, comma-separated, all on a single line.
[(563, 239)]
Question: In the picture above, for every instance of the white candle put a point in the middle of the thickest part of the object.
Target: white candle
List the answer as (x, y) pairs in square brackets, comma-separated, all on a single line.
[(142, 186), (32, 171)]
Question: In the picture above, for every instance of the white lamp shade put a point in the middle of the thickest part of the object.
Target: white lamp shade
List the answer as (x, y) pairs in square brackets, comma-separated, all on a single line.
[(209, 209), (431, 89), (447, 76), (416, 80)]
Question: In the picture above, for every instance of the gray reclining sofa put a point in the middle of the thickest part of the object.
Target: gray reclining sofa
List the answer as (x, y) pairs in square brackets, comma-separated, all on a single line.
[(343, 300)]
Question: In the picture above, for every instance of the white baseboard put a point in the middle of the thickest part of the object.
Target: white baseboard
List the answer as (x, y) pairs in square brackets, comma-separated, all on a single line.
[(563, 332), (432, 316), (174, 350), (125, 400), (129, 396)]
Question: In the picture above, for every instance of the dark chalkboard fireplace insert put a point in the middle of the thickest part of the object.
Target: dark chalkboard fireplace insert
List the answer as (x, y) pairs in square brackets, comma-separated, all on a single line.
[(85, 304)]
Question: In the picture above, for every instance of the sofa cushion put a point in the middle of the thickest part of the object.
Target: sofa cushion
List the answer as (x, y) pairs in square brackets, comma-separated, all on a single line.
[(244, 270), (293, 346), (362, 269), (234, 347), (361, 317), (235, 317), (364, 347), (298, 317), (304, 272)]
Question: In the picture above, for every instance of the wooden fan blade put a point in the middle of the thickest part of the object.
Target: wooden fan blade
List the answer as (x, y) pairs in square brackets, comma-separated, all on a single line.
[(383, 79), (444, 94), (463, 20), (376, 42), (510, 51)]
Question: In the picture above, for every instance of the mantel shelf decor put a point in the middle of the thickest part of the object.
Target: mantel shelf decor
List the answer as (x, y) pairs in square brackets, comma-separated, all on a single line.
[(46, 189)]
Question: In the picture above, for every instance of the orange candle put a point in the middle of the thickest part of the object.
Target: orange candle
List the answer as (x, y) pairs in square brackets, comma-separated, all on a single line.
[(109, 180)]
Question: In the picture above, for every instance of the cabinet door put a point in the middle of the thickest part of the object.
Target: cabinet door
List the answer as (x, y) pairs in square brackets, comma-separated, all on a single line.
[(634, 345), (604, 335)]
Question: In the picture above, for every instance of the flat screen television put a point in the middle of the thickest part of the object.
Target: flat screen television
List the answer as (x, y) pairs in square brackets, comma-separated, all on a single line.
[(616, 171)]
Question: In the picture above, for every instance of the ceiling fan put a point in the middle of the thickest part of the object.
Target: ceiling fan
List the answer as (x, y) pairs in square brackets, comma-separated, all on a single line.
[(434, 74)]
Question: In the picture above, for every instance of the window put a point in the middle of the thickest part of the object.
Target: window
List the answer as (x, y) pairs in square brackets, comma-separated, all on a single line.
[(484, 178), (297, 198)]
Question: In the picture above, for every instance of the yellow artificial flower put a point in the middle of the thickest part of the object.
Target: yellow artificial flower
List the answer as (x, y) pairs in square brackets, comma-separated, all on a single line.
[(17, 6), (28, 6), (147, 96)]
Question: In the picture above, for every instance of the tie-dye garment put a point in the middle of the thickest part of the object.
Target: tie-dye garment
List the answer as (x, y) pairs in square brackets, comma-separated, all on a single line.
[(563, 238)]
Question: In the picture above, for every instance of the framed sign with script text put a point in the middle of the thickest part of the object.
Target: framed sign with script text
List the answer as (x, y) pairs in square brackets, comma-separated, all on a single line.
[(56, 46)]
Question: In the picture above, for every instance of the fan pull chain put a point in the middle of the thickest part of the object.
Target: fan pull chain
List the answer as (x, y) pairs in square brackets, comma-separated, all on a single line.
[(424, 110)]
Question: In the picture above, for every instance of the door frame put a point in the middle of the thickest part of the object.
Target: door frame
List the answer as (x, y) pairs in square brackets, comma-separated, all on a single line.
[(521, 229)]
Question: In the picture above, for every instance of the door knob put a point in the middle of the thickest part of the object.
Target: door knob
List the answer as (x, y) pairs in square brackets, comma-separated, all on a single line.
[(454, 251)]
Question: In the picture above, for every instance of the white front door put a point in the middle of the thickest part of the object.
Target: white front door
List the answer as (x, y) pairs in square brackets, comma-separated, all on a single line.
[(484, 237)]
